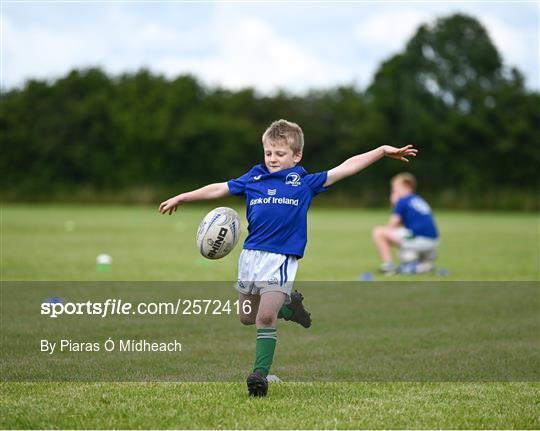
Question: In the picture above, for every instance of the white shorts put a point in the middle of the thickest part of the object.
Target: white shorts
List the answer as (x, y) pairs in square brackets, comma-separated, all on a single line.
[(420, 244), (262, 271)]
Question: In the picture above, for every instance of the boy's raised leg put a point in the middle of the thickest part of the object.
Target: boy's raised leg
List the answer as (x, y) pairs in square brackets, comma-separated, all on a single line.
[(295, 311)]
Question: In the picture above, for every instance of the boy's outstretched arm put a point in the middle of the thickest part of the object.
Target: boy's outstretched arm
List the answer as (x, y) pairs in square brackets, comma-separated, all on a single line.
[(361, 161), (211, 191)]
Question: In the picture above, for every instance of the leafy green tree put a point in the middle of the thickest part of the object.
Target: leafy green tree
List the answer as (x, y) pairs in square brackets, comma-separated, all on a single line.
[(449, 94)]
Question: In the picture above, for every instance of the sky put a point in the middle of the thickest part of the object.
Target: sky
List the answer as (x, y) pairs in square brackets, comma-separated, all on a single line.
[(293, 46)]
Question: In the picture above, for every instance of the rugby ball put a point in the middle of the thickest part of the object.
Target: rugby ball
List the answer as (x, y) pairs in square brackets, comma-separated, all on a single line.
[(218, 233)]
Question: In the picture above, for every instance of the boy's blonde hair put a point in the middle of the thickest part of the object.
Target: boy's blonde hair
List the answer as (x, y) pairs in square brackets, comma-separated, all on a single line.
[(406, 178), (285, 131)]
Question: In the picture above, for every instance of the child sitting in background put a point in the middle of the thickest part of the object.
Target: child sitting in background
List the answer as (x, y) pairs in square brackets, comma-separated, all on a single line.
[(411, 228)]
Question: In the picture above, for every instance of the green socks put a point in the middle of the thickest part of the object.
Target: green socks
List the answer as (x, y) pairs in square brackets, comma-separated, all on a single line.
[(264, 350), (284, 312)]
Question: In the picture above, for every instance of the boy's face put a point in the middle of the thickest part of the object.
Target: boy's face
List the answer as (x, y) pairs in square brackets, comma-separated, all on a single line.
[(278, 156)]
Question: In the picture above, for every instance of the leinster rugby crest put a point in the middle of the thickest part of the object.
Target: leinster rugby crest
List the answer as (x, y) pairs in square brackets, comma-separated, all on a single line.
[(293, 179)]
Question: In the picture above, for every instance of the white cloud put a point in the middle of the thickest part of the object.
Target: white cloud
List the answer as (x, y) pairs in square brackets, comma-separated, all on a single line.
[(244, 52), (250, 53), (117, 43), (36, 52), (388, 31)]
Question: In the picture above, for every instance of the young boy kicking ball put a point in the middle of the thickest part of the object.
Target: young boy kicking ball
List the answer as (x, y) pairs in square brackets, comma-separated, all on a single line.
[(411, 228), (278, 195)]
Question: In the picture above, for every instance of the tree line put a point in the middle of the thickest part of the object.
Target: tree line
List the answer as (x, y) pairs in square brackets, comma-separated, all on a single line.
[(140, 136)]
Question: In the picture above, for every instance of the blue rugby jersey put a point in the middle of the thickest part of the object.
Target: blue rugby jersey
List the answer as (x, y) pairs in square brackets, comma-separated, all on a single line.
[(277, 205), (416, 216)]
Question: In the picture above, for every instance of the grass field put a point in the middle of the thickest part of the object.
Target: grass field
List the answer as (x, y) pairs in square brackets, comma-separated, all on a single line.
[(57, 243), (148, 246)]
